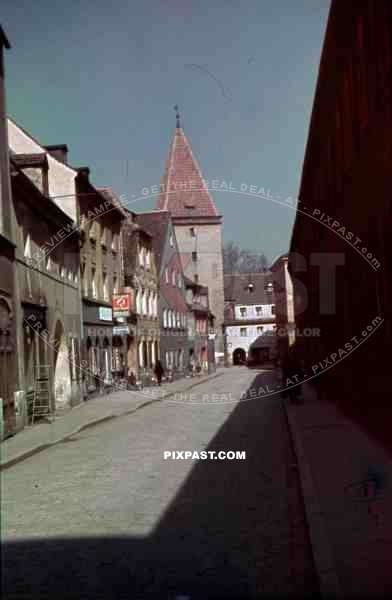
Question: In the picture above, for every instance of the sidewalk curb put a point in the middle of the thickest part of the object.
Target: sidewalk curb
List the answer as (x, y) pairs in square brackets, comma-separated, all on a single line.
[(24, 455), (321, 548)]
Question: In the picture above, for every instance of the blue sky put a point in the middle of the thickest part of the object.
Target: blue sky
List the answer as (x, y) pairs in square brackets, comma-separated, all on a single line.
[(103, 78)]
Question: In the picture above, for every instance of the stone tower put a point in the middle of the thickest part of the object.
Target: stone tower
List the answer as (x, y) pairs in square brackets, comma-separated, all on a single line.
[(197, 225)]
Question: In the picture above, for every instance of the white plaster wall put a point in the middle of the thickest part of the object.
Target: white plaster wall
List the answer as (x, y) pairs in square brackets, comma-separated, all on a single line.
[(61, 177), (208, 245), (251, 313), (237, 340)]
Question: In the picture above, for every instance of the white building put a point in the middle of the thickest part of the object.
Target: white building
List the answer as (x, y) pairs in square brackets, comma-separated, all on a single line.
[(249, 315)]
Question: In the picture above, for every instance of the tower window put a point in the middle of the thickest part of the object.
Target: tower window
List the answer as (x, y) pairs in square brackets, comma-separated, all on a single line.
[(194, 256), (192, 232)]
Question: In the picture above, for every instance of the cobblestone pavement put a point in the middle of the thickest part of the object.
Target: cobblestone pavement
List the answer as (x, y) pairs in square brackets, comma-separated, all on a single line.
[(104, 515)]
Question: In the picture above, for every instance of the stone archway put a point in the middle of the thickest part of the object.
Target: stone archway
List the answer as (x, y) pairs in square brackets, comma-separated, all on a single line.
[(61, 368), (239, 356)]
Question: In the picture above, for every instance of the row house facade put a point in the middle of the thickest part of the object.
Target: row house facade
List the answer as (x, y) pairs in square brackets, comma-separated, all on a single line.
[(249, 317), (201, 327), (141, 276), (101, 217), (49, 332), (172, 307), (340, 259), (9, 382), (47, 261)]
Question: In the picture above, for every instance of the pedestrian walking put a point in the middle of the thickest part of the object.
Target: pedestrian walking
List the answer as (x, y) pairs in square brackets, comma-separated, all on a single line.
[(159, 371)]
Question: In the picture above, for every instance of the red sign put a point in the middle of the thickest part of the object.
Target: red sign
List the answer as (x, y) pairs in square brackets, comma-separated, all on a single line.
[(121, 302)]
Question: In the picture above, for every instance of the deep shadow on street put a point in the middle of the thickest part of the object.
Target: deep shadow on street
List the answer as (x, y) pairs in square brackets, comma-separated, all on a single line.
[(231, 531)]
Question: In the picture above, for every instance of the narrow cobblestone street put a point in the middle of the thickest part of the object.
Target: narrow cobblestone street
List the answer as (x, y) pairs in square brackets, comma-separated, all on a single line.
[(104, 514)]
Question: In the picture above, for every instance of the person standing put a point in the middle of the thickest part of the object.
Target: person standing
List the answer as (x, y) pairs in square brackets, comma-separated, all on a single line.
[(158, 371)]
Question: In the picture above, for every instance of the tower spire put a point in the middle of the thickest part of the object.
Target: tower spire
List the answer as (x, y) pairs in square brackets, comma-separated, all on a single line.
[(177, 117)]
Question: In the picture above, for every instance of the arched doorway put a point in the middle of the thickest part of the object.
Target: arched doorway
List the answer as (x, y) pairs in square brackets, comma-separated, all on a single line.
[(61, 368), (239, 356)]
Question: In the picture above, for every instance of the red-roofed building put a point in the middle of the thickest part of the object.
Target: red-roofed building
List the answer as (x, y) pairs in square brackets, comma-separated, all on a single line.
[(197, 225)]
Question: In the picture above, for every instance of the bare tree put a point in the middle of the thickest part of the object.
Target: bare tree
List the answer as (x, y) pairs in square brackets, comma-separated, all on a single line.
[(237, 260)]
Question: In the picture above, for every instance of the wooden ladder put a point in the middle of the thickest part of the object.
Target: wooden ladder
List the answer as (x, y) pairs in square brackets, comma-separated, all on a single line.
[(42, 400)]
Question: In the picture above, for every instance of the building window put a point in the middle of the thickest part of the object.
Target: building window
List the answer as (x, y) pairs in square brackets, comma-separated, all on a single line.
[(27, 247), (105, 287), (194, 256), (258, 310), (115, 284), (259, 329), (141, 257), (243, 332), (165, 318), (192, 232), (196, 279), (148, 258), (144, 302), (273, 312), (178, 320), (167, 275), (139, 302), (115, 242), (174, 277), (171, 240), (93, 284), (103, 236), (243, 311), (49, 264), (151, 303)]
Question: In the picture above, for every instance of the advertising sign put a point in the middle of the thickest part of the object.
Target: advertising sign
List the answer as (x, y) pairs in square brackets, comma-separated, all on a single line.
[(121, 304)]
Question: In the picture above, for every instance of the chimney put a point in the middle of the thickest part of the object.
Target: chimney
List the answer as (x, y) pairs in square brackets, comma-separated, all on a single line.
[(5, 184), (59, 151)]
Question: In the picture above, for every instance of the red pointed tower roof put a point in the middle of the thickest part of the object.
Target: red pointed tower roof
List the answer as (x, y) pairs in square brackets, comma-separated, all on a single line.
[(183, 193)]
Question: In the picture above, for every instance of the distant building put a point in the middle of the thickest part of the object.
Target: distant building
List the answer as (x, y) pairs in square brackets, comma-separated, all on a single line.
[(284, 305), (249, 316), (197, 225)]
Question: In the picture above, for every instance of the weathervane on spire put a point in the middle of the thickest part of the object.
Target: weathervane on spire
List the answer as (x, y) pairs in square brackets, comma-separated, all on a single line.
[(177, 117)]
